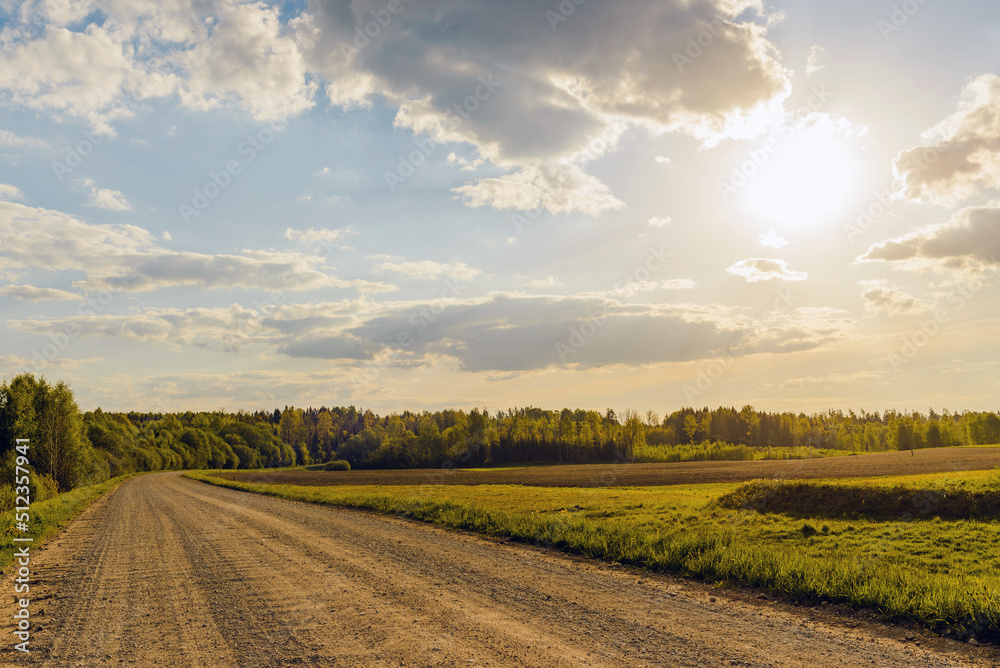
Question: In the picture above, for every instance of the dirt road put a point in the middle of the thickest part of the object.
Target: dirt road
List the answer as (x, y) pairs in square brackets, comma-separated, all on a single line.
[(167, 571)]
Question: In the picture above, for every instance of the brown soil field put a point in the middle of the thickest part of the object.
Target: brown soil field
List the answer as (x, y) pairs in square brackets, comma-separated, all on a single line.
[(166, 571), (643, 475)]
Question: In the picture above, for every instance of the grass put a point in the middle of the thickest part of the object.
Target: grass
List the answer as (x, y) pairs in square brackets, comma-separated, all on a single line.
[(855, 501), (703, 452), (940, 573), (47, 517)]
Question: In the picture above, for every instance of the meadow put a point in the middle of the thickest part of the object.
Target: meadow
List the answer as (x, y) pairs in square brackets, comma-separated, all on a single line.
[(48, 516), (911, 564)]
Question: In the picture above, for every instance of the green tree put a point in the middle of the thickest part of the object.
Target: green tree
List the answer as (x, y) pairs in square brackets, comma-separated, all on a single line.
[(293, 431), (52, 422), (632, 434), (17, 410)]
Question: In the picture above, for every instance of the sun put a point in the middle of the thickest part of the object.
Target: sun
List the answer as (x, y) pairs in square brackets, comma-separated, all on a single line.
[(811, 175)]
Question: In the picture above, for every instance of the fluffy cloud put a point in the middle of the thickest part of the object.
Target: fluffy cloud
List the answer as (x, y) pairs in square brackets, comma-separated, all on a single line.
[(9, 192), (65, 73), (516, 332), (478, 72), (829, 381), (225, 330), (33, 294), (816, 54), (11, 140), (758, 269), (248, 59), (314, 236), (127, 258), (772, 240), (679, 284), (962, 157), (500, 332), (969, 243), (430, 269), (104, 198), (542, 117), (558, 187), (882, 297)]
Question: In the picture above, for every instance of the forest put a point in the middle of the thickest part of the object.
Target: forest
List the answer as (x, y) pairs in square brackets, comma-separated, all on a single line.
[(70, 448)]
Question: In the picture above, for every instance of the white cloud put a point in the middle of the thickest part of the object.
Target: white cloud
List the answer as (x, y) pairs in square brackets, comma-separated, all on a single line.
[(104, 198), (539, 119), (659, 221), (430, 269), (557, 187), (9, 193), (516, 332), (21, 364), (679, 284), (816, 53), (33, 294), (501, 332), (248, 59), (772, 240), (547, 282), (220, 329), (881, 296), (8, 138), (662, 160), (71, 75), (962, 157), (544, 115), (759, 269), (127, 258), (313, 235), (968, 244), (828, 381)]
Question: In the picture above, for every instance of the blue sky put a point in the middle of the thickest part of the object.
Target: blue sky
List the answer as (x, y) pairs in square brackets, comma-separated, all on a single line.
[(641, 204)]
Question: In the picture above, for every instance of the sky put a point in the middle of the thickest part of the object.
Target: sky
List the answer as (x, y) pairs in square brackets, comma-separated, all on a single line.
[(428, 204)]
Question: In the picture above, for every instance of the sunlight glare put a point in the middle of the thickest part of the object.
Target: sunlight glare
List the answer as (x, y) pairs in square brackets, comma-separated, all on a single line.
[(809, 178)]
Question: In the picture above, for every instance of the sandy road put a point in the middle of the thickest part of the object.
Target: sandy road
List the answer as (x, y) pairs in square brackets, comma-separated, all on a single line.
[(166, 571)]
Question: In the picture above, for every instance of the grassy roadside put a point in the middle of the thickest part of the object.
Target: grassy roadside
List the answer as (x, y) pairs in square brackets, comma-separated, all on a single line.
[(47, 517), (941, 574)]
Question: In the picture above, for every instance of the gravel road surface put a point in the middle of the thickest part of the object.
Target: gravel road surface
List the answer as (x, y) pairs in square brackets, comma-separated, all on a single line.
[(167, 571)]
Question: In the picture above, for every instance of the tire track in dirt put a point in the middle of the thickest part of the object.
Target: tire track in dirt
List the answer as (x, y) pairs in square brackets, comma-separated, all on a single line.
[(167, 571)]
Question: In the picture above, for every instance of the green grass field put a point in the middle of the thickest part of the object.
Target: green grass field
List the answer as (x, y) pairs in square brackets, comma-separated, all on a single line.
[(917, 567), (47, 517)]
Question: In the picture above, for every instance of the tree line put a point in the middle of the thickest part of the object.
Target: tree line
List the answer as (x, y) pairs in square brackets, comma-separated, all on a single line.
[(70, 448)]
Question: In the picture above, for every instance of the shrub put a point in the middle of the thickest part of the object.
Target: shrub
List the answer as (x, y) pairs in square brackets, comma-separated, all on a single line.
[(808, 530), (337, 465)]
